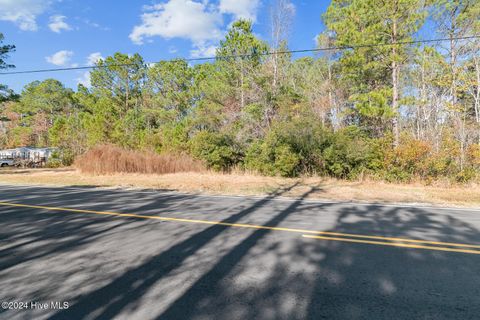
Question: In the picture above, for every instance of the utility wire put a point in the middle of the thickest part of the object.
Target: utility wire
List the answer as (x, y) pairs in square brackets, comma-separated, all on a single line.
[(346, 47)]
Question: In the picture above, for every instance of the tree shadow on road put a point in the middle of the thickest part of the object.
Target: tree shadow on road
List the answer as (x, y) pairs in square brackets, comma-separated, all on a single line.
[(261, 274), (395, 283), (126, 291), (315, 279), (210, 285)]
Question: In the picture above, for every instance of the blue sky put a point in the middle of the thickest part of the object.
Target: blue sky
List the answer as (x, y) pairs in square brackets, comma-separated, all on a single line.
[(66, 33)]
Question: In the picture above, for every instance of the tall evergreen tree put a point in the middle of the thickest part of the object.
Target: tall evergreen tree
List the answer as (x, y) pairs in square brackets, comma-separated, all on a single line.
[(241, 52), (378, 29), (5, 49)]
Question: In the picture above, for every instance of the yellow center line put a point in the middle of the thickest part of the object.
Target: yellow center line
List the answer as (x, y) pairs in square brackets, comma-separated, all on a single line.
[(238, 225), (393, 244)]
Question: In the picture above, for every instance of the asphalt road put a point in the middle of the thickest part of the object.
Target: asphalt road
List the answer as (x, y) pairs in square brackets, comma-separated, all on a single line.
[(153, 255)]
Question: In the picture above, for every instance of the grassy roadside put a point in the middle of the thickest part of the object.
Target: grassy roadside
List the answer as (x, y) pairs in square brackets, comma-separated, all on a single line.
[(245, 184)]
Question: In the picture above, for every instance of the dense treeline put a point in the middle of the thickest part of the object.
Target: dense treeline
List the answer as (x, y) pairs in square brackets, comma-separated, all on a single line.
[(395, 112)]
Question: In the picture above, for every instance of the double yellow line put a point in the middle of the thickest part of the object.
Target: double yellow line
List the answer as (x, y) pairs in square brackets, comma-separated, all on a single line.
[(404, 245), (320, 235)]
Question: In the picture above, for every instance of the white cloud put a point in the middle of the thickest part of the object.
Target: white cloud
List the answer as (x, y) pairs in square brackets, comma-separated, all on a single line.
[(187, 19), (57, 24), (93, 58), (95, 25), (85, 79), (23, 12), (60, 58), (203, 52), (200, 21), (240, 9)]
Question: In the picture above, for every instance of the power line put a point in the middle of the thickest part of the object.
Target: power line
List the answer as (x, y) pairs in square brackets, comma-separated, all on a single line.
[(337, 48)]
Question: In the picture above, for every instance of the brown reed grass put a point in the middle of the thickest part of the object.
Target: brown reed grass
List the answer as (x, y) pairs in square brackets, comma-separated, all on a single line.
[(110, 159)]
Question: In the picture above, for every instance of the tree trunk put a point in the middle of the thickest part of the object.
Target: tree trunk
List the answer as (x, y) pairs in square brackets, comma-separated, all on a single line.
[(331, 99), (275, 71), (395, 121), (421, 113), (453, 89), (127, 93), (242, 93), (477, 95)]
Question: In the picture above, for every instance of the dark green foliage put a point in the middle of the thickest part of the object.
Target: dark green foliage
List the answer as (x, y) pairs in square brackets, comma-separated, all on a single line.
[(5, 50), (350, 153), (175, 137), (291, 148), (305, 147), (272, 159), (217, 150), (62, 157), (7, 94)]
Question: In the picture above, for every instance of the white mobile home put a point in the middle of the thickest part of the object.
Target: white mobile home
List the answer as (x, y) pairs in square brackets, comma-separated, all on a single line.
[(27, 154)]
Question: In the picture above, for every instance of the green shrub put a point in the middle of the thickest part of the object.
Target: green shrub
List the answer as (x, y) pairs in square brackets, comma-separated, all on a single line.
[(292, 147), (174, 137), (272, 159), (396, 174), (286, 161), (474, 155), (465, 175), (350, 153), (258, 158), (217, 150), (306, 138), (62, 157), (297, 147), (54, 163)]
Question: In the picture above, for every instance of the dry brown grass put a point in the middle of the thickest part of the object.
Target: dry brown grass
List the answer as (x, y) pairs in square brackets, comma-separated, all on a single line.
[(248, 184), (109, 159)]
